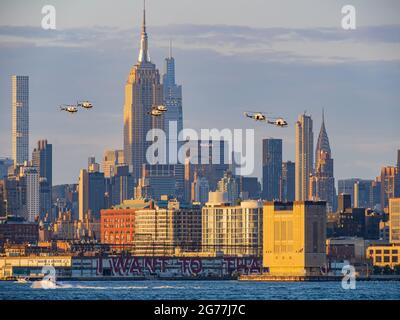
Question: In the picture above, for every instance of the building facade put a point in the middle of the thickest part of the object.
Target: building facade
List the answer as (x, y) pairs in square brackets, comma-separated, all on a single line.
[(42, 159), (394, 220), (322, 182), (304, 156), (143, 91), (173, 118), (231, 229), (20, 119), (288, 184), (390, 185), (272, 168), (294, 237)]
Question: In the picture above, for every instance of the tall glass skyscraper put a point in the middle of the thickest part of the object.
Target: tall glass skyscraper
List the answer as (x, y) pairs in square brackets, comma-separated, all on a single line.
[(173, 101), (20, 119), (288, 181), (143, 91), (304, 156), (272, 168)]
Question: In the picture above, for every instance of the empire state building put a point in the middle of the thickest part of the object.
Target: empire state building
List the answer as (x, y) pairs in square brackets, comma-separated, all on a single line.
[(143, 91)]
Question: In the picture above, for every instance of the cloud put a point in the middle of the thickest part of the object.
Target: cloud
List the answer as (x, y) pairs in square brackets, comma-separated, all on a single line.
[(320, 45)]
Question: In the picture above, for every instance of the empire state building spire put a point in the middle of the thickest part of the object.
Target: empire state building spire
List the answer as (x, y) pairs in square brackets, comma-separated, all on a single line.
[(144, 49)]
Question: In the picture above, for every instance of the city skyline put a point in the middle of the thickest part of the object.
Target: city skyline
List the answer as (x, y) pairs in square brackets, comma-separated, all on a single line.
[(134, 155), (372, 147)]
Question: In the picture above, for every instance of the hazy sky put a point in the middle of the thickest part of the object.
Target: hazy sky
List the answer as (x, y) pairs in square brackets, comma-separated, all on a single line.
[(282, 57)]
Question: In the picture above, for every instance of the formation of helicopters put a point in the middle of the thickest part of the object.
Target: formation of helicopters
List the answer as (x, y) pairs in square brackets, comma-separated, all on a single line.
[(73, 108), (260, 116), (159, 110)]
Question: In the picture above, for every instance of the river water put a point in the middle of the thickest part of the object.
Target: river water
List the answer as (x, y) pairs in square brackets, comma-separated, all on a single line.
[(199, 290)]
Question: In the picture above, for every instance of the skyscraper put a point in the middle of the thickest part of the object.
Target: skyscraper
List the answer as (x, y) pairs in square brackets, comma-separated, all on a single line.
[(272, 168), (83, 194), (20, 119), (200, 189), (173, 101), (111, 159), (91, 194), (390, 184), (322, 184), (229, 185), (304, 155), (5, 164), (42, 160), (394, 218), (143, 91), (288, 181), (32, 193)]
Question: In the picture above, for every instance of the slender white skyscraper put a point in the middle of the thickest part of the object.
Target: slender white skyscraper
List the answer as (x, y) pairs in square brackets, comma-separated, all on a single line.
[(20, 119), (304, 156)]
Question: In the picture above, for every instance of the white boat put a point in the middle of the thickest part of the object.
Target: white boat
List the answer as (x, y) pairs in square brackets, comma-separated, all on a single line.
[(45, 284), (22, 280)]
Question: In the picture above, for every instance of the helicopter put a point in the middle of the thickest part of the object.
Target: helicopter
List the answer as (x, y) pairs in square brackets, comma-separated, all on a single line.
[(84, 104), (161, 108), (157, 111), (258, 116), (69, 108), (279, 122)]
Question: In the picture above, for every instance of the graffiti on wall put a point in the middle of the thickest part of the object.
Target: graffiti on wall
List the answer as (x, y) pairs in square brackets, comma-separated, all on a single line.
[(192, 266)]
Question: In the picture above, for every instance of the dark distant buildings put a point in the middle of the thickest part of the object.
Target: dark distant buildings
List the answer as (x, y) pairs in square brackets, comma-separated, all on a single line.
[(42, 160), (211, 161), (364, 193), (272, 168), (17, 230), (398, 158), (390, 185), (66, 199), (288, 181), (5, 164), (249, 188), (161, 179), (119, 186), (172, 94), (91, 192), (356, 222)]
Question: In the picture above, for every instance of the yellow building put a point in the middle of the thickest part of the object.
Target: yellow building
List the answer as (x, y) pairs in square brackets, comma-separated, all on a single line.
[(394, 220), (382, 256), (294, 237)]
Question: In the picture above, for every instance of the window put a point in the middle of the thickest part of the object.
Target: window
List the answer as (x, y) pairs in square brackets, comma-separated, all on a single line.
[(386, 259)]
